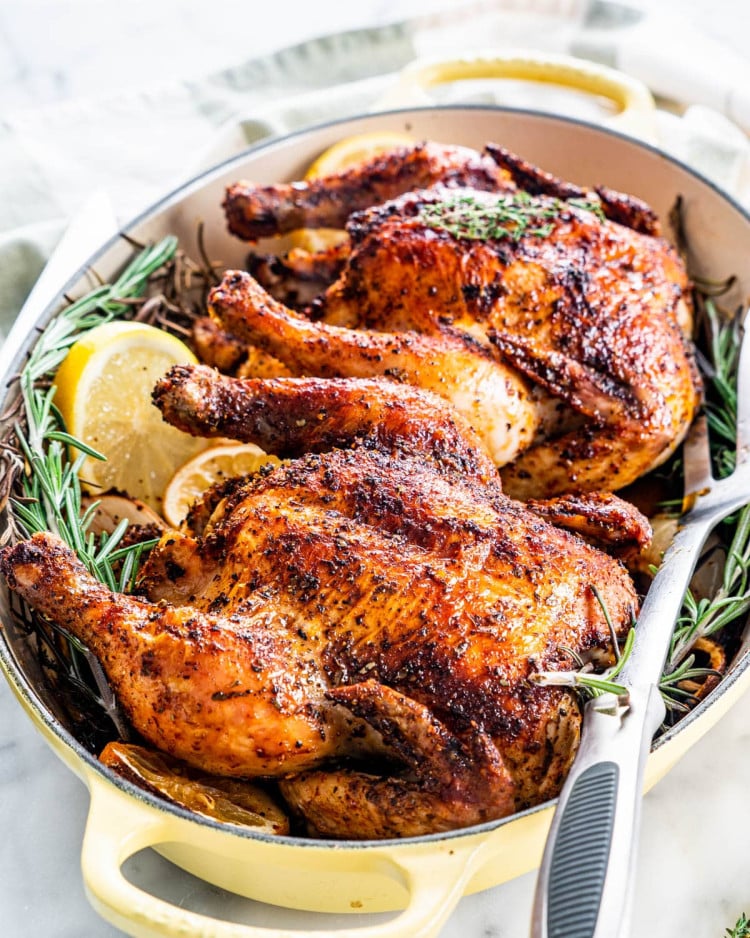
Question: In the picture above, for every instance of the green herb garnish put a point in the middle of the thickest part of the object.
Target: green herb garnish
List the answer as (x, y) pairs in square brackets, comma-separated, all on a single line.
[(583, 679), (51, 491), (705, 617), (741, 928), (719, 368), (511, 216)]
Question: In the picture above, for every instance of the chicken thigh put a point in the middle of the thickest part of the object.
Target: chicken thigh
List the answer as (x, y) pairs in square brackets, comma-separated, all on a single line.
[(361, 622), (551, 317)]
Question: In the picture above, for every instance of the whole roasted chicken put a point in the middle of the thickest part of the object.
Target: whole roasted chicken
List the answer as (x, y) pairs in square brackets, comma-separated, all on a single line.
[(363, 622), (550, 316)]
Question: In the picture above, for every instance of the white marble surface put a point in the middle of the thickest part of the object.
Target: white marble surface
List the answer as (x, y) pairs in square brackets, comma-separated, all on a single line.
[(694, 865)]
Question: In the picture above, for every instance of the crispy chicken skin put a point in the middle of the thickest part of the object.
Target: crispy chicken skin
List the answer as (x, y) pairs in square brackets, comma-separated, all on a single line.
[(616, 206), (384, 603), (292, 416), (499, 402), (258, 211), (377, 414), (226, 352), (562, 347), (192, 684)]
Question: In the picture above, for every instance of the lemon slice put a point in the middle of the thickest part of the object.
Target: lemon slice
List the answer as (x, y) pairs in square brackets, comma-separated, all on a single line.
[(205, 469), (229, 800), (104, 395), (353, 151), (347, 153)]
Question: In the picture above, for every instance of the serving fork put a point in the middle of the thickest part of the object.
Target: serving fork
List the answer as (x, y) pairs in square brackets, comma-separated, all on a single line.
[(585, 883)]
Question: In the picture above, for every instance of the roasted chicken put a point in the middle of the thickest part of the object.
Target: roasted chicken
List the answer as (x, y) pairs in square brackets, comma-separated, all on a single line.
[(363, 622), (550, 316)]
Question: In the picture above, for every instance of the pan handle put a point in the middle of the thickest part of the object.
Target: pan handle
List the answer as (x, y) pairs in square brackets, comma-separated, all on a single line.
[(634, 101), (119, 826)]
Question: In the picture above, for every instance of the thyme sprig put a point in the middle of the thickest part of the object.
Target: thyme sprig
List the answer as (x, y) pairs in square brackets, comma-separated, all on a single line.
[(511, 216)]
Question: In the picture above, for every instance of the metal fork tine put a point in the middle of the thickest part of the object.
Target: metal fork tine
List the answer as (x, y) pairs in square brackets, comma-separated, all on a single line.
[(743, 394), (696, 457)]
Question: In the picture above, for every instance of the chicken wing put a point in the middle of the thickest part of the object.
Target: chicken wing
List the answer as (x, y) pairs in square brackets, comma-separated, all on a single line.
[(258, 211)]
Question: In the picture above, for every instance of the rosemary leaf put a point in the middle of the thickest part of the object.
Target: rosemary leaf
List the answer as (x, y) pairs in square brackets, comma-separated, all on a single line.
[(71, 441), (50, 484), (623, 657), (741, 928), (109, 544), (593, 685)]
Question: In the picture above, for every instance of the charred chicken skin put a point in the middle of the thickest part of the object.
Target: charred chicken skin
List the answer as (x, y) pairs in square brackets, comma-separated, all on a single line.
[(551, 317), (258, 211), (378, 600)]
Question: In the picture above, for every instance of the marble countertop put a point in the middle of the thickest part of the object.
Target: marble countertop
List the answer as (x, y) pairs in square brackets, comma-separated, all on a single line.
[(693, 866)]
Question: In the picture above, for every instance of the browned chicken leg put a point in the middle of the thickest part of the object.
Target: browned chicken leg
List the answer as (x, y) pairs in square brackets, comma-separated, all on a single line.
[(384, 602), (202, 688), (258, 211), (292, 416)]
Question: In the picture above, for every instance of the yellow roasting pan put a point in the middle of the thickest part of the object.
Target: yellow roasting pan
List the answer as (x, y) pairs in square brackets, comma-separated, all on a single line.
[(424, 876)]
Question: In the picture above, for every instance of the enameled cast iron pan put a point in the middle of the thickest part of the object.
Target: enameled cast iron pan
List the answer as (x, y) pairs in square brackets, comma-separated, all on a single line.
[(426, 876)]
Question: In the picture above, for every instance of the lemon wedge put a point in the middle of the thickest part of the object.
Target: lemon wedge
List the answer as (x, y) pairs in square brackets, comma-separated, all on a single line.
[(104, 395), (205, 469), (347, 153)]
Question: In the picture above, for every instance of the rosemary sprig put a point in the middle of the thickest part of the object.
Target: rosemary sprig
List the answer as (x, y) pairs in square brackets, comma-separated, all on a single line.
[(40, 482), (741, 928), (51, 491), (719, 368), (511, 216), (99, 306), (583, 679), (703, 618)]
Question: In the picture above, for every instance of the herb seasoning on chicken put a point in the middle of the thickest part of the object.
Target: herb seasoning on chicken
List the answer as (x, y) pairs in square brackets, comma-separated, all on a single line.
[(381, 603), (550, 316)]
